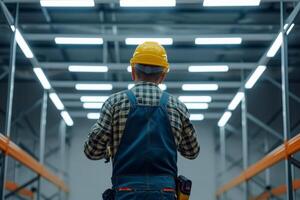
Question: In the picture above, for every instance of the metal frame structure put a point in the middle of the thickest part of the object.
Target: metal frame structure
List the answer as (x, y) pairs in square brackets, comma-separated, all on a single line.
[(286, 95)]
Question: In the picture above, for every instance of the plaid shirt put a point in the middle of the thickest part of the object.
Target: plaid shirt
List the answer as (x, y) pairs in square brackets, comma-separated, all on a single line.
[(107, 132)]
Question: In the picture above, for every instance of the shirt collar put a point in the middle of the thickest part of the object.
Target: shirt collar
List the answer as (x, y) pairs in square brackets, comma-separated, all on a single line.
[(145, 83)]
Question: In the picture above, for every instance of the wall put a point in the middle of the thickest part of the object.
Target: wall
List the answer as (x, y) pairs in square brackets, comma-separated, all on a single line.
[(88, 178)]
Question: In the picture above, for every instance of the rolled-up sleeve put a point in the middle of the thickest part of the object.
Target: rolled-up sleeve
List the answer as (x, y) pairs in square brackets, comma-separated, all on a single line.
[(95, 148), (188, 146)]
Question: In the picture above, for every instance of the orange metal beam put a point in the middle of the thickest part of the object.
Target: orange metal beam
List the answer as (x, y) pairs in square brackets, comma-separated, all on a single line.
[(280, 153), (277, 191), (11, 186), (11, 149)]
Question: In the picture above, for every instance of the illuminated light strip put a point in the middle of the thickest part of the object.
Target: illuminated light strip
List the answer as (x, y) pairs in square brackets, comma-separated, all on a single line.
[(99, 99), (67, 3), (255, 76), (200, 87), (224, 119), (210, 3), (23, 45), (82, 68), (161, 86), (93, 86), (147, 3), (129, 69), (219, 68), (218, 41), (275, 46), (78, 41), (195, 99), (196, 117), (92, 105), (137, 41), (93, 115), (56, 101), (42, 78), (192, 106), (236, 100), (67, 118), (290, 29)]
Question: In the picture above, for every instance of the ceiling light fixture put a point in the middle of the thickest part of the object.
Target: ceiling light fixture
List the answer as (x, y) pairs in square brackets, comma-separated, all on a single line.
[(255, 76), (202, 106), (99, 99), (209, 3), (78, 41), (218, 41), (275, 46), (196, 117), (200, 87), (56, 101), (42, 78), (92, 105), (218, 68), (236, 100), (80, 86), (195, 99), (82, 68), (224, 119), (147, 3), (67, 118), (93, 115), (23, 45), (67, 3), (138, 41)]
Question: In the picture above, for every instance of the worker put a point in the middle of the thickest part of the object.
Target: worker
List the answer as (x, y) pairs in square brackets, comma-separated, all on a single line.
[(142, 129)]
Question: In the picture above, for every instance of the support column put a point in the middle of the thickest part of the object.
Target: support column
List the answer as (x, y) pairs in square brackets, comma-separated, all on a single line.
[(43, 124), (285, 102), (9, 106), (223, 157), (62, 132), (245, 143)]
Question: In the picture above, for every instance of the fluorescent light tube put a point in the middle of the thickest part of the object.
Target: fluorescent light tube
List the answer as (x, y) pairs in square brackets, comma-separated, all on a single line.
[(224, 119), (78, 41), (42, 78), (67, 118), (161, 86), (218, 68), (99, 99), (195, 99), (196, 117), (82, 68), (290, 29), (56, 101), (209, 3), (255, 76), (92, 105), (67, 3), (200, 87), (129, 69), (23, 45), (236, 100), (93, 115), (218, 41), (93, 86), (202, 106), (137, 41), (275, 46), (12, 27), (147, 3)]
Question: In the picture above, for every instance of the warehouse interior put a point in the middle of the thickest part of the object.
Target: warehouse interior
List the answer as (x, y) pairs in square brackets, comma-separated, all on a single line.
[(235, 64)]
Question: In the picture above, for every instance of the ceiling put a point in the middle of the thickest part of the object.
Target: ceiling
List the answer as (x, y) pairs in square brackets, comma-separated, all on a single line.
[(258, 27)]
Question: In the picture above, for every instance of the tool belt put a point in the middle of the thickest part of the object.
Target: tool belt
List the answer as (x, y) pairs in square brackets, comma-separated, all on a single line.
[(183, 190)]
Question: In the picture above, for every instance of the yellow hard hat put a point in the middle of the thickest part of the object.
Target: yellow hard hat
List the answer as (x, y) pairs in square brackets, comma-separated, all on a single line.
[(150, 53)]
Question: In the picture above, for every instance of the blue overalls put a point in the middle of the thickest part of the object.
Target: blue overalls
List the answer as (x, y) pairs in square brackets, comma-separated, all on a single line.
[(145, 165)]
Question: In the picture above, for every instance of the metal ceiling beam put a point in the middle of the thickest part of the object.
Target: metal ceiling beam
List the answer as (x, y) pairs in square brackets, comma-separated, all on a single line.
[(176, 37), (79, 104), (72, 96), (117, 1), (123, 66), (71, 84), (83, 114)]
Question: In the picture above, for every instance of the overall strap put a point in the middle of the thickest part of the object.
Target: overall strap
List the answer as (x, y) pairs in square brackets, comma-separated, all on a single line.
[(132, 98), (164, 99)]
